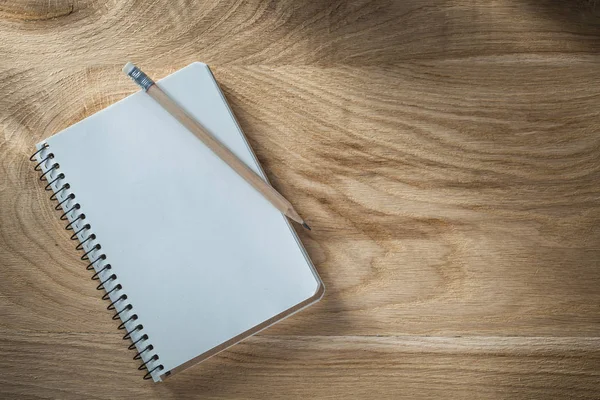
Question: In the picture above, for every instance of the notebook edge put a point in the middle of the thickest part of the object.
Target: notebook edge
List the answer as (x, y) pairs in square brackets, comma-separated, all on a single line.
[(314, 298)]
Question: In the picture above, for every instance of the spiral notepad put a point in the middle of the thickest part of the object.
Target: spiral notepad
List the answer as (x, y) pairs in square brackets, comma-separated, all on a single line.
[(190, 258)]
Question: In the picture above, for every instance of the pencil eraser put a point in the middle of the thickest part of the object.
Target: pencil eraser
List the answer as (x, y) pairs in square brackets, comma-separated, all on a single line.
[(128, 68)]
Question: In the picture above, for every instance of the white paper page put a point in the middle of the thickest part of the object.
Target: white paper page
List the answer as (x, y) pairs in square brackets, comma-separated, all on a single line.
[(201, 255)]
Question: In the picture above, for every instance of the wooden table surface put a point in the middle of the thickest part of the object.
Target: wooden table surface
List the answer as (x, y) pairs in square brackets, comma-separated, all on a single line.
[(447, 155)]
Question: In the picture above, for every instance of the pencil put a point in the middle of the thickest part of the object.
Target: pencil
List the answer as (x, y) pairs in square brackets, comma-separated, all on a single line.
[(266, 190)]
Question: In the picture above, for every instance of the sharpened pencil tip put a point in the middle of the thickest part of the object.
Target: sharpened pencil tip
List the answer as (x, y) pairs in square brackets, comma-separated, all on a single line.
[(304, 224)]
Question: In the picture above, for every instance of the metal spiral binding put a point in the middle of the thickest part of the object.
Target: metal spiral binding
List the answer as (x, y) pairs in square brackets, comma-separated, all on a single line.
[(98, 260)]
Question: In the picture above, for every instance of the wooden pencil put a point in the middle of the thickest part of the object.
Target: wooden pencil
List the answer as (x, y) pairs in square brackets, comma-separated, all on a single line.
[(266, 190)]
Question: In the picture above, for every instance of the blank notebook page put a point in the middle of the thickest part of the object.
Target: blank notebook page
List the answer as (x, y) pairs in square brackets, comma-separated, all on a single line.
[(203, 258)]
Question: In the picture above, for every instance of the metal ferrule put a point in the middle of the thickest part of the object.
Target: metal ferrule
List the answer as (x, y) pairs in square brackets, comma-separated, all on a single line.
[(141, 78)]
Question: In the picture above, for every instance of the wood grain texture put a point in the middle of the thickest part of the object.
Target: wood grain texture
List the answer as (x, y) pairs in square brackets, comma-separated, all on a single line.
[(446, 155)]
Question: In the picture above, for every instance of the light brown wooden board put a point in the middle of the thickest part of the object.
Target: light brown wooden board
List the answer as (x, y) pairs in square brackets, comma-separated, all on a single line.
[(313, 367), (446, 155)]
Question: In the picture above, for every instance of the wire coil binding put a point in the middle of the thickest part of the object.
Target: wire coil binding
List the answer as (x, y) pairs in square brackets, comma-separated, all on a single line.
[(88, 243)]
